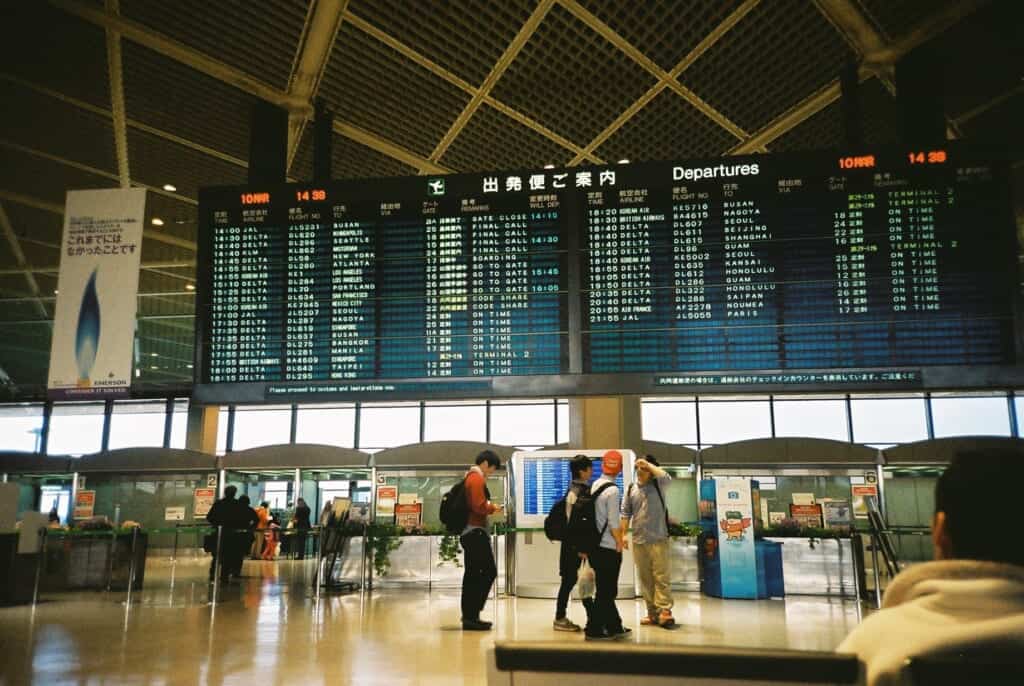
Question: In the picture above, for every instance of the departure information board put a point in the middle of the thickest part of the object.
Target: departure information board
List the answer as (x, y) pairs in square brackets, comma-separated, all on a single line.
[(546, 481), (890, 269)]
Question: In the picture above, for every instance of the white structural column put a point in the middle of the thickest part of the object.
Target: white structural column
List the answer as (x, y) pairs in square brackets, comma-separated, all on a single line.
[(322, 23), (115, 77)]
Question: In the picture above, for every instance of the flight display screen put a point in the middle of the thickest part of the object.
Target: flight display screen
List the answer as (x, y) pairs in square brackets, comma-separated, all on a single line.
[(797, 271)]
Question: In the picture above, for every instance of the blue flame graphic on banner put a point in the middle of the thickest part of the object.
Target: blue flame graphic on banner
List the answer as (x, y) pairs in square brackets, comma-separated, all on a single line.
[(87, 337)]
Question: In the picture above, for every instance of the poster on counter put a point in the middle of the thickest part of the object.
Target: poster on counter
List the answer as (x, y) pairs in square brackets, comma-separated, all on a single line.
[(837, 514), (409, 515), (386, 497), (859, 493), (174, 514), (85, 504), (736, 538), (202, 501), (806, 515), (93, 341)]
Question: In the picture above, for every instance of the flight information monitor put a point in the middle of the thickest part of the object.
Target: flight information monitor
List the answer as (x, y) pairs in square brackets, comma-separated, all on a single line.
[(882, 270)]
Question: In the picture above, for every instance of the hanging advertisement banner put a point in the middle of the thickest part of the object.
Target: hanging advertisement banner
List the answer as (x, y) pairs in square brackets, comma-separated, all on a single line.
[(735, 515), (97, 288), (85, 503)]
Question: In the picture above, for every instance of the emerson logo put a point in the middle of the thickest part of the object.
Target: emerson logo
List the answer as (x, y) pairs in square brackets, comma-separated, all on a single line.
[(721, 171)]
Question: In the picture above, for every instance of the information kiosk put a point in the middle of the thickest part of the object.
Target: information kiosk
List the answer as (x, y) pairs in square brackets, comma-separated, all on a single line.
[(539, 479)]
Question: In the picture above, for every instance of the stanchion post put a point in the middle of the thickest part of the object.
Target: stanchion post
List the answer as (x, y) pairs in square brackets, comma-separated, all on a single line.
[(110, 558), (218, 561), (362, 562), (174, 550), (494, 554), (874, 569), (131, 564), (39, 565), (317, 582)]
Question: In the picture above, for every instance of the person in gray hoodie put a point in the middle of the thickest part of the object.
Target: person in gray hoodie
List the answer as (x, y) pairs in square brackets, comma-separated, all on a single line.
[(970, 600)]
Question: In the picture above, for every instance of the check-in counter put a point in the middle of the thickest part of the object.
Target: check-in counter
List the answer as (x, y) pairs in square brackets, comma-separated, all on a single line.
[(826, 469), (409, 482)]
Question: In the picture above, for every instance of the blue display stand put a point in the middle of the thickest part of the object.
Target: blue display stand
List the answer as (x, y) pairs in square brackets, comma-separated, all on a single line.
[(734, 564)]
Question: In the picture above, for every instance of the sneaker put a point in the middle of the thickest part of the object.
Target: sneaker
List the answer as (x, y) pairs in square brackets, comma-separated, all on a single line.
[(475, 625), (666, 619), (623, 632), (598, 637), (565, 624), (481, 621)]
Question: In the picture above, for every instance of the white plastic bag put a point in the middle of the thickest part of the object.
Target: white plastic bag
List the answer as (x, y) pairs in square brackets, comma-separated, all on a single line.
[(585, 584)]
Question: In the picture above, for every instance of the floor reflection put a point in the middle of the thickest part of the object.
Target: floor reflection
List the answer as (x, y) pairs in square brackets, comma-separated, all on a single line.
[(270, 629)]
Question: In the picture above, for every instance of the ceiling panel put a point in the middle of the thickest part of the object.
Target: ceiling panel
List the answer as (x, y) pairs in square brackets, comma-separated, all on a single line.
[(683, 132), (895, 18), (55, 127), (464, 38), (992, 65), (1003, 125), (664, 30), (177, 99), (156, 161), (259, 38), (372, 86), (32, 224), (776, 56), (179, 217), (571, 79), (44, 179), (37, 40), (492, 140)]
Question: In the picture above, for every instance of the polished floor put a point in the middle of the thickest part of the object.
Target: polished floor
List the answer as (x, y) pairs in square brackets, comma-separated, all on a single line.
[(269, 630)]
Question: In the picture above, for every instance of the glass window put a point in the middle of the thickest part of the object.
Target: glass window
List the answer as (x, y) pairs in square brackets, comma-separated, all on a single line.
[(970, 416), (811, 418), (1018, 405), (256, 426), (563, 423), (728, 421), (75, 429), (888, 420), (21, 427), (388, 426), (179, 423), (464, 422), (669, 422), (137, 424), (523, 425), (222, 430), (335, 425)]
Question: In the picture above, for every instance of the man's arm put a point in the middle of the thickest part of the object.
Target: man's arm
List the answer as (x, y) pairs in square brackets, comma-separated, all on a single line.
[(612, 505), (627, 513)]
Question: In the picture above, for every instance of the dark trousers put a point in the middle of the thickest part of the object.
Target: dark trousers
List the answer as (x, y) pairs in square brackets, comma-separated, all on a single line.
[(232, 550), (568, 568), (605, 617), (479, 572)]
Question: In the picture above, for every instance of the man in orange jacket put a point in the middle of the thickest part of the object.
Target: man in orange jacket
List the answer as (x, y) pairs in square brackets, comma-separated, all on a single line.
[(480, 570)]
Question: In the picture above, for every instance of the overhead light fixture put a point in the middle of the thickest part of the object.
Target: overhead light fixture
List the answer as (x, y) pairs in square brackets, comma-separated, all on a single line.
[(623, 161), (55, 291), (138, 372), (170, 187), (155, 368), (549, 166), (154, 355), (156, 221), (189, 366), (190, 287)]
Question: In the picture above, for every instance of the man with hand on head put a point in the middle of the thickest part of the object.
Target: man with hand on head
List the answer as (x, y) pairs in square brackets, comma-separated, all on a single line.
[(606, 560), (644, 504)]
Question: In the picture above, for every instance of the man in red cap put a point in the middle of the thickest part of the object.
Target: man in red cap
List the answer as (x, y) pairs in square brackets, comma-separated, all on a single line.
[(606, 561)]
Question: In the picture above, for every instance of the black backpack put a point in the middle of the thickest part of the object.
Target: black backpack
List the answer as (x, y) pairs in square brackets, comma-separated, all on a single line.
[(556, 523), (454, 512), (582, 532)]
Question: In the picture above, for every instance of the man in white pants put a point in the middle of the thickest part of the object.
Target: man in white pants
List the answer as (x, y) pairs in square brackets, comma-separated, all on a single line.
[(644, 506)]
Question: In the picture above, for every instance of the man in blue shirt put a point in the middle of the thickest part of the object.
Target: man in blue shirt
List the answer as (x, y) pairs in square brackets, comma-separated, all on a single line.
[(604, 622), (644, 504)]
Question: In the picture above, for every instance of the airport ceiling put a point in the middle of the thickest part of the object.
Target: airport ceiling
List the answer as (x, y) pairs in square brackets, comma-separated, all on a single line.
[(102, 93)]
